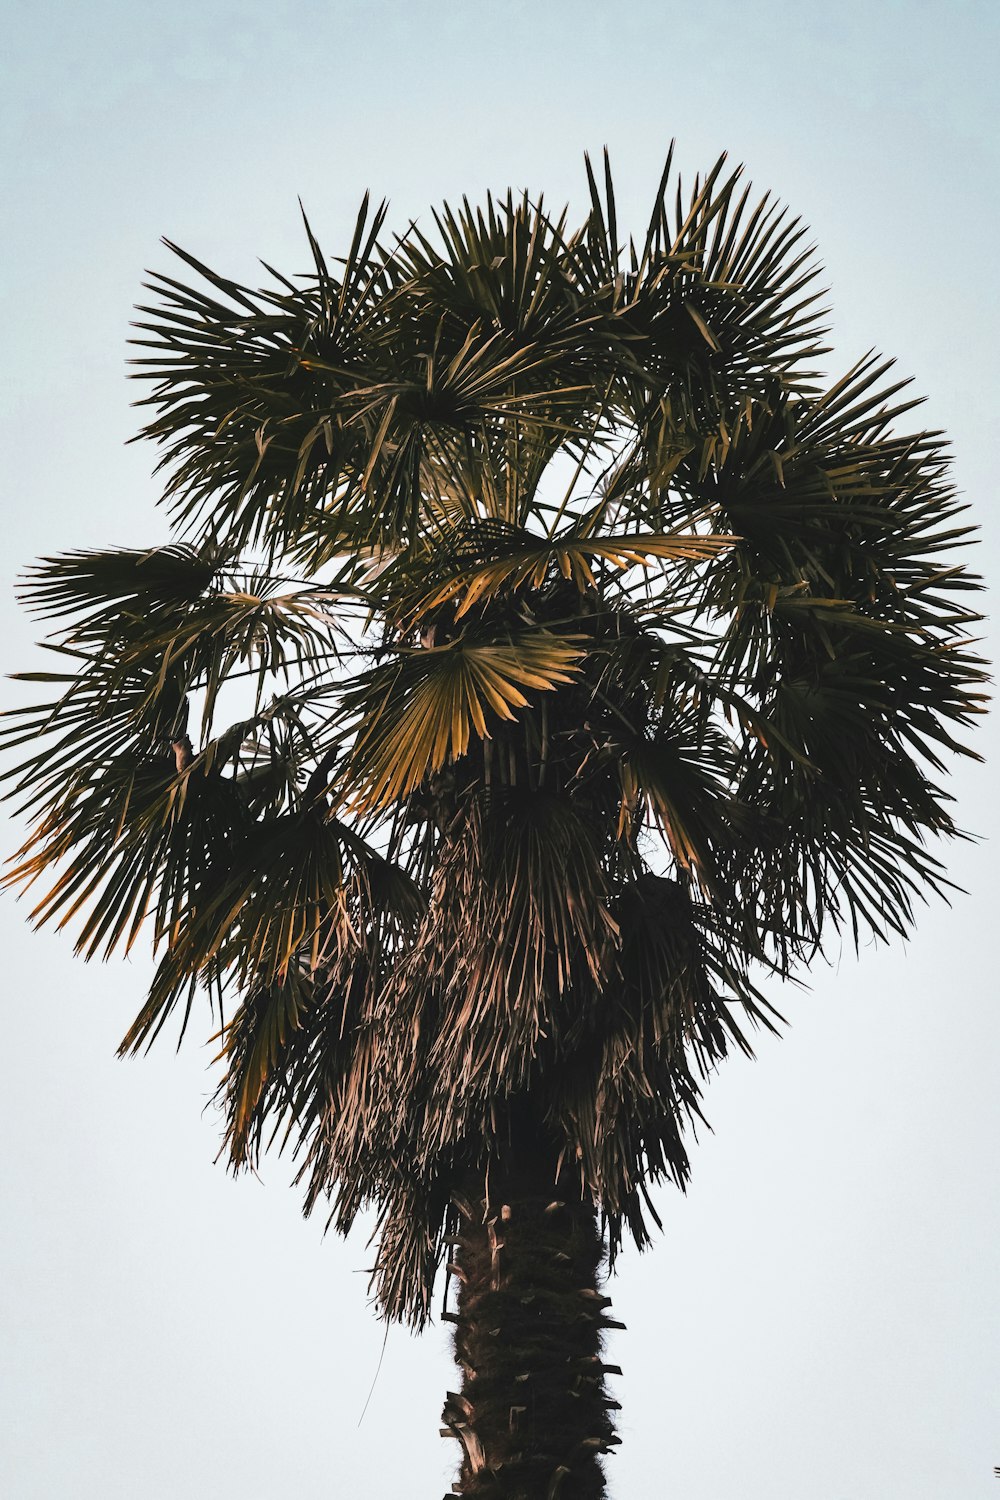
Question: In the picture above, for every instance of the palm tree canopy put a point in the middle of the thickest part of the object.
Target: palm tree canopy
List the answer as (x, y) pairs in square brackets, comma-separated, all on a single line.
[(583, 656)]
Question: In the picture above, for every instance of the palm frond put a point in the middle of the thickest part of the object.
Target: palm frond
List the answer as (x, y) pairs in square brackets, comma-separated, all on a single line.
[(418, 712)]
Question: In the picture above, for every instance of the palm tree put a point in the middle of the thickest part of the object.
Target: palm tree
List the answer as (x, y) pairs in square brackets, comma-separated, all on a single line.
[(585, 661)]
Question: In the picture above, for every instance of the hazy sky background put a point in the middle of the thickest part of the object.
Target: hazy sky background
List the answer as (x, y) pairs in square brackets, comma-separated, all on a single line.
[(820, 1318)]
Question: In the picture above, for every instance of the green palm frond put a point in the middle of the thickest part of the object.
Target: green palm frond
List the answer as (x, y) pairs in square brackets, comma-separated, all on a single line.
[(129, 810), (289, 1047), (89, 585), (224, 365), (679, 779), (270, 903)]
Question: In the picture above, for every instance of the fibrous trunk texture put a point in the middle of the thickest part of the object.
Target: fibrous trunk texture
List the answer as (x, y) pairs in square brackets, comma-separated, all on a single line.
[(533, 1416)]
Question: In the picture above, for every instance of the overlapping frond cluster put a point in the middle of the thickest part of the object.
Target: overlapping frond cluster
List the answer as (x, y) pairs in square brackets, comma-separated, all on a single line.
[(591, 657)]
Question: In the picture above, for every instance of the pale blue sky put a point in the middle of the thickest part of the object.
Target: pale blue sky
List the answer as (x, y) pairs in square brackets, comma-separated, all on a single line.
[(820, 1319)]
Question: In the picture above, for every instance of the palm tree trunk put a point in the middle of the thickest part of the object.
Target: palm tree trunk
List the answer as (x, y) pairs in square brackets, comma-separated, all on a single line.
[(533, 1416)]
